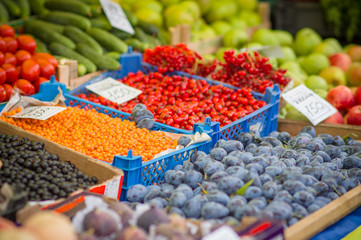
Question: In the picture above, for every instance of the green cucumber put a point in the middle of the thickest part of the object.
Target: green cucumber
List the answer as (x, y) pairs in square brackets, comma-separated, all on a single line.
[(12, 7), (141, 35), (113, 55), (52, 26), (133, 42), (109, 41), (79, 36), (69, 6), (40, 46), (121, 34), (4, 15), (101, 22), (24, 7), (101, 61), (47, 35), (148, 27), (61, 50), (67, 18), (131, 17), (96, 10), (89, 1), (37, 7)]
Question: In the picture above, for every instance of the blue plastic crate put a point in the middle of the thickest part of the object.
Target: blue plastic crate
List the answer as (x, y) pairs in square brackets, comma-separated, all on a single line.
[(262, 122)]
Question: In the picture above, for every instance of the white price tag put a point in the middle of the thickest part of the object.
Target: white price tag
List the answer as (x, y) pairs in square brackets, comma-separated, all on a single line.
[(116, 16), (112, 188), (315, 108), (39, 112), (222, 233), (114, 91)]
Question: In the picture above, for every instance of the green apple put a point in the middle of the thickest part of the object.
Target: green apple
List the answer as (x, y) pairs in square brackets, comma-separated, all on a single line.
[(148, 4), (306, 39), (198, 24), (335, 43), (315, 63), (205, 5), (248, 4), (285, 38), (293, 113), (221, 10), (150, 16), (288, 55), (205, 32), (324, 48), (238, 23), (316, 82), (321, 92), (167, 3), (193, 8), (273, 62), (334, 76), (296, 79), (221, 27), (252, 45), (209, 57), (282, 114), (250, 17), (235, 38), (220, 52), (177, 15), (265, 37), (291, 66)]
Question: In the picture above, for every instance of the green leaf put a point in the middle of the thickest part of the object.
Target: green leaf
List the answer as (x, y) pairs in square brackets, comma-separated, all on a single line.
[(243, 189)]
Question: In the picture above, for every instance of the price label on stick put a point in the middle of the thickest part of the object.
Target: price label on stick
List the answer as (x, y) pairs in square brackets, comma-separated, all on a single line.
[(116, 16), (315, 108), (114, 91), (39, 112)]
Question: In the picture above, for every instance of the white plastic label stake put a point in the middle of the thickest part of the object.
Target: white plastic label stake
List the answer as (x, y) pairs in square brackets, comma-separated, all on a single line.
[(112, 188), (39, 112), (116, 16), (114, 91), (315, 108), (222, 233)]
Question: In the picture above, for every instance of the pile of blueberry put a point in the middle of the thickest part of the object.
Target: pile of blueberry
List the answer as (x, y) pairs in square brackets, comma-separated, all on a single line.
[(278, 176), (25, 164)]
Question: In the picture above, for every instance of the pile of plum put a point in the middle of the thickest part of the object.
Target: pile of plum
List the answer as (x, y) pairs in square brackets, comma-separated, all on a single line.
[(278, 176)]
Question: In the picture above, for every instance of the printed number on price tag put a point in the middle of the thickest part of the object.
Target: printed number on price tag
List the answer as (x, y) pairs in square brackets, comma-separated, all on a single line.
[(315, 108), (114, 91), (39, 112)]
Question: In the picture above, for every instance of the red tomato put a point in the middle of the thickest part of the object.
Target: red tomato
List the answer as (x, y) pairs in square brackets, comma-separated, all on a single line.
[(2, 45), (27, 43), (21, 56), (2, 76), (38, 82), (2, 93), (46, 68), (9, 91), (47, 57), (10, 58), (25, 87), (11, 44), (11, 73), (2, 58), (7, 31), (30, 70)]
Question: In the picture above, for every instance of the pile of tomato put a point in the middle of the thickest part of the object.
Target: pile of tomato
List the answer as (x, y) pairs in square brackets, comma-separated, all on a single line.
[(180, 101), (20, 66)]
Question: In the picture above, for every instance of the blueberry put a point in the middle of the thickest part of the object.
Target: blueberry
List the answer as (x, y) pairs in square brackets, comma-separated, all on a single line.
[(283, 196), (237, 172), (278, 150), (352, 162), (153, 193), (197, 154), (313, 208), (232, 161), (280, 210), (236, 201), (260, 203), (246, 210), (209, 186), (321, 187), (230, 184), (324, 155), (289, 154), (262, 150), (212, 167), (232, 145), (255, 167), (338, 141), (251, 148), (299, 211), (201, 163), (187, 166), (245, 138), (269, 190), (284, 137), (177, 199), (174, 177), (192, 178), (303, 197), (273, 170), (252, 192), (218, 176), (158, 202), (192, 208), (310, 130), (350, 183), (136, 193), (167, 190), (326, 138), (265, 178), (218, 196), (187, 190), (218, 154), (332, 195), (309, 180), (178, 167), (273, 141), (334, 175)]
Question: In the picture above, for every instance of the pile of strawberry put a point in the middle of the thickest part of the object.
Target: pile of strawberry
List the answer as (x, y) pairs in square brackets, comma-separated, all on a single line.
[(20, 66)]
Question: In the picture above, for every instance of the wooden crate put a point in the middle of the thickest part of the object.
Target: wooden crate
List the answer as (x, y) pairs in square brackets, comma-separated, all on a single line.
[(295, 126), (182, 33), (110, 179)]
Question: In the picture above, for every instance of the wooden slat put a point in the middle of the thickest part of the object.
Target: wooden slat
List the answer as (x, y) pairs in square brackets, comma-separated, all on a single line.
[(294, 127), (325, 217)]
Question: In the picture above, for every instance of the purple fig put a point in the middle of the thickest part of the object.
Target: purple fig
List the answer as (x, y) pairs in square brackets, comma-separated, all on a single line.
[(124, 211), (131, 233), (102, 222), (153, 216)]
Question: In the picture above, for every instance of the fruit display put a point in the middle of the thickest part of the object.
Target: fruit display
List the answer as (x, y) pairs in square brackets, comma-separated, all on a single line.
[(21, 65), (240, 70), (25, 164), (278, 176), (181, 101), (96, 134)]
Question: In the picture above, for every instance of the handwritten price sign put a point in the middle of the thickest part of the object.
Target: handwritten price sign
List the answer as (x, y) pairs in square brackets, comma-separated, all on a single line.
[(39, 112), (114, 91), (315, 108), (116, 16)]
